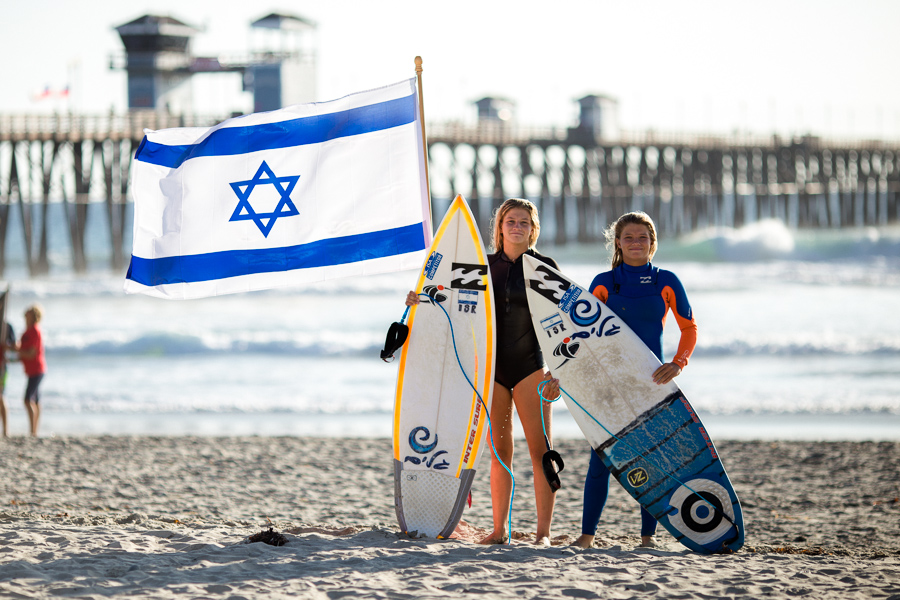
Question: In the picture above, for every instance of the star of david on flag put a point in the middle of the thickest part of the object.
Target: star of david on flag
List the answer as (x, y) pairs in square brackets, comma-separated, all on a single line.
[(297, 195), (245, 210)]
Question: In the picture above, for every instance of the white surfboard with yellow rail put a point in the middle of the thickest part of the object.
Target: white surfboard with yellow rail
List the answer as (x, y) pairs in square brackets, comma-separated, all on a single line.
[(441, 403)]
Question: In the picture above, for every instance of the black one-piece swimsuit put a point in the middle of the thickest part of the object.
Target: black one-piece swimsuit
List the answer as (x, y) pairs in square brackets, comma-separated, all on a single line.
[(518, 352)]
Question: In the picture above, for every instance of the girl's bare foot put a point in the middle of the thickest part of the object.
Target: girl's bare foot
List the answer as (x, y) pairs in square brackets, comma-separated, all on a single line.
[(542, 541), (584, 541), (496, 537), (647, 541)]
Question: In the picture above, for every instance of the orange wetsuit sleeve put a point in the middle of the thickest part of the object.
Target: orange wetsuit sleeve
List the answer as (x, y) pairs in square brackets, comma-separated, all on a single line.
[(602, 293), (688, 329)]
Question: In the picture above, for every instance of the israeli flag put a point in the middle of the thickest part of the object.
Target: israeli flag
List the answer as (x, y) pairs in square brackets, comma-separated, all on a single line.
[(301, 194)]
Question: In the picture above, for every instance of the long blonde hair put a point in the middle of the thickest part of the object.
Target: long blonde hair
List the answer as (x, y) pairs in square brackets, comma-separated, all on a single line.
[(500, 214), (614, 232)]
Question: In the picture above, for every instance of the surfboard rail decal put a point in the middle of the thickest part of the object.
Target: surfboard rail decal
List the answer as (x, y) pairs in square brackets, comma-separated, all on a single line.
[(477, 414), (475, 417)]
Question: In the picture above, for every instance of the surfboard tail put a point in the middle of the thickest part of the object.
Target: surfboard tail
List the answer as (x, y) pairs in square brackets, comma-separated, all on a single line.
[(677, 476), (423, 499)]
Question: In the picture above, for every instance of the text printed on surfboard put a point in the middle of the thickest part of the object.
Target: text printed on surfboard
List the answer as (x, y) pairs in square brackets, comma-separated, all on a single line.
[(468, 281), (583, 313)]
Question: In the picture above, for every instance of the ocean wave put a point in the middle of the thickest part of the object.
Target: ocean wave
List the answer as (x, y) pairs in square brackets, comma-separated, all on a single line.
[(759, 251), (178, 344), (272, 409), (771, 239), (106, 284), (823, 347), (276, 410), (369, 343)]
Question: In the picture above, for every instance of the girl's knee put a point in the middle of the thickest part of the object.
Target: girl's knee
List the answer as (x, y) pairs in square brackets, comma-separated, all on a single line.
[(502, 455)]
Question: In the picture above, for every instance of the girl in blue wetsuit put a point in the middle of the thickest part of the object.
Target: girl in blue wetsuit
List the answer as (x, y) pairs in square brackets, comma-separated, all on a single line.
[(642, 296)]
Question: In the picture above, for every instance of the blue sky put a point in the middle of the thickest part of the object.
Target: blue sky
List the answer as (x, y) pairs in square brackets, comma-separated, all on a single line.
[(825, 67)]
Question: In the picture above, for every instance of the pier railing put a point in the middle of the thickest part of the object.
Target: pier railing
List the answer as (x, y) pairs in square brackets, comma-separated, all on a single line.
[(579, 179), (97, 128)]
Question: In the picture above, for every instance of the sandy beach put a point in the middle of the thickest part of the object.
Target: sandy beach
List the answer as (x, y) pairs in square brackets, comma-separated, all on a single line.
[(167, 517)]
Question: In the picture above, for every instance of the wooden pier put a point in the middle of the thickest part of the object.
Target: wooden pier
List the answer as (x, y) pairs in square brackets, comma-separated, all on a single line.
[(685, 182), (579, 181)]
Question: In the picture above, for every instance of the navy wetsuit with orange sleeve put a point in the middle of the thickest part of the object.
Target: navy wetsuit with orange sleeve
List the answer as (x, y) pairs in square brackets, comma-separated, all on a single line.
[(642, 297)]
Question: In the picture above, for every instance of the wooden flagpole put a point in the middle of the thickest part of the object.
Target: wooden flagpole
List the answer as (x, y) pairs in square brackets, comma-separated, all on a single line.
[(424, 139)]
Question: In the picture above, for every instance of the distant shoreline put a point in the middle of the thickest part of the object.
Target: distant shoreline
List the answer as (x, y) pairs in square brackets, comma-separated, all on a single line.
[(855, 426)]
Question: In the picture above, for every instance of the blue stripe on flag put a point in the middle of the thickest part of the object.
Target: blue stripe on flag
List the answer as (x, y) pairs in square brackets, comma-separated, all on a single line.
[(229, 141), (233, 263)]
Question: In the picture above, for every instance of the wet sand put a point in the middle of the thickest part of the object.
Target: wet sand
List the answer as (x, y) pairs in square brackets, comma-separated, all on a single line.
[(167, 517)]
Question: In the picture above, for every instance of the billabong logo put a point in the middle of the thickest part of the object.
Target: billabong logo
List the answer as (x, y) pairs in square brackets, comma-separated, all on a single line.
[(468, 276), (646, 279), (637, 477), (548, 284)]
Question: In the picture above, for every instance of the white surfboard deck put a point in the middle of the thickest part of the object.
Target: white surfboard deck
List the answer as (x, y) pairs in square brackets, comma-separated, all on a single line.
[(439, 420), (647, 434)]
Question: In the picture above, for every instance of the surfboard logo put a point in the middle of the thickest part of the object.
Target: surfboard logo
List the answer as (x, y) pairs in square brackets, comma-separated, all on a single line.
[(567, 349), (702, 507), (431, 265), (601, 330), (468, 276), (585, 313), (569, 298), (419, 445), (553, 325), (467, 301), (473, 432), (637, 477), (549, 284), (434, 293)]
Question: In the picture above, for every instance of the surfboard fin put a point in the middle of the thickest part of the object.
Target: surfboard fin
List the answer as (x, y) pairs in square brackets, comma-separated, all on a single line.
[(396, 337)]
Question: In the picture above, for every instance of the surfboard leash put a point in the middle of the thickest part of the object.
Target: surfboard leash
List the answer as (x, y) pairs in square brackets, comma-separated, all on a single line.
[(487, 412), (638, 454), (551, 462), (396, 337)]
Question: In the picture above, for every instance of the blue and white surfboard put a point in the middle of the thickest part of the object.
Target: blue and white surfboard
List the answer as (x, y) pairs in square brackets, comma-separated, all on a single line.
[(648, 435)]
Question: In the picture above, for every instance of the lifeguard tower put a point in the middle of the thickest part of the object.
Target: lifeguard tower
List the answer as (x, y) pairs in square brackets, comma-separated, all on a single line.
[(158, 61), (280, 69), (598, 120), (494, 109)]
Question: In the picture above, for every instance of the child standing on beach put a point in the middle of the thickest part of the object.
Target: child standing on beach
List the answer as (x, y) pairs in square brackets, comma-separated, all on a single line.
[(31, 351), (519, 368), (642, 295)]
